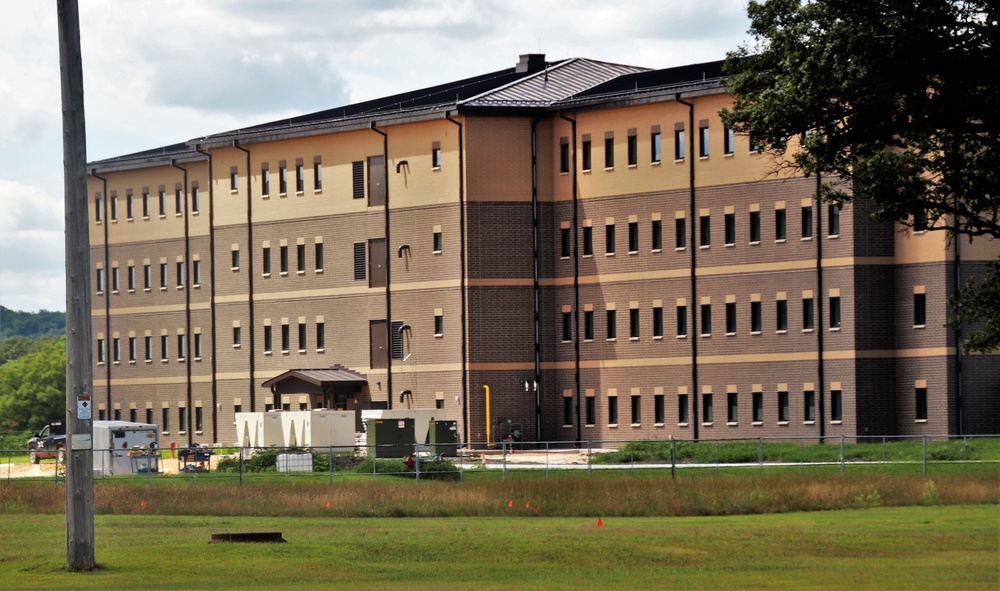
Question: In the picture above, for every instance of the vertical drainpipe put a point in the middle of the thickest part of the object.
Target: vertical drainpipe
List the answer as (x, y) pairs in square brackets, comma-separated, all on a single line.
[(959, 402), (107, 278), (211, 292), (461, 277), (250, 277), (388, 275), (535, 287), (576, 284), (693, 276), (187, 300), (821, 369)]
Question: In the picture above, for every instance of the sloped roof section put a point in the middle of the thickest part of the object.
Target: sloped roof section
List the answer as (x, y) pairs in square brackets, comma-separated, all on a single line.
[(554, 83), (650, 82), (336, 375)]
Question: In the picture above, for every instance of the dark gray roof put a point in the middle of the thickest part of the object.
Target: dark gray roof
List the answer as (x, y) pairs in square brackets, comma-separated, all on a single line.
[(338, 374)]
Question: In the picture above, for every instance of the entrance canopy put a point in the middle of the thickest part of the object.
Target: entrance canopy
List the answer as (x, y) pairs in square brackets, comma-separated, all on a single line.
[(331, 383)]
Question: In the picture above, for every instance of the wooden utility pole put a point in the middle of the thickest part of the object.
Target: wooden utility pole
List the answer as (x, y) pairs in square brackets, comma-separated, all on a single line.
[(79, 372)]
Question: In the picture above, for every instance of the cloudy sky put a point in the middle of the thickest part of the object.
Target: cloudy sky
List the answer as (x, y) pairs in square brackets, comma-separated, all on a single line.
[(158, 72)]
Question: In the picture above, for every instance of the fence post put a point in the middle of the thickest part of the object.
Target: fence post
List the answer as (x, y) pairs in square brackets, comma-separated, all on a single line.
[(760, 454), (965, 450), (718, 470), (589, 456), (546, 460), (841, 455), (673, 458), (925, 455), (329, 465), (416, 459), (241, 464), (503, 447)]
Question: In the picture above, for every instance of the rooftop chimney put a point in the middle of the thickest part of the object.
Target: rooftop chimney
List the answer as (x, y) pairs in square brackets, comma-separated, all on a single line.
[(530, 62)]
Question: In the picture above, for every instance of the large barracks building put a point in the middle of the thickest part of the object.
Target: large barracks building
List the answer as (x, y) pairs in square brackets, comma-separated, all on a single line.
[(582, 242)]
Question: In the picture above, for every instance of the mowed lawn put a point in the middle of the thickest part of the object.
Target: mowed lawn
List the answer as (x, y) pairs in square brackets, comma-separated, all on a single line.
[(936, 547)]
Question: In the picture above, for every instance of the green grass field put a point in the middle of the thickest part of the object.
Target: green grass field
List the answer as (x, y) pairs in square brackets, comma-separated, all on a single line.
[(951, 548)]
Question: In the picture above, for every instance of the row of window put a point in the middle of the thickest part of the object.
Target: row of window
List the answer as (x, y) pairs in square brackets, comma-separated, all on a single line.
[(705, 231), (131, 279), (146, 202), (182, 418), (132, 348)]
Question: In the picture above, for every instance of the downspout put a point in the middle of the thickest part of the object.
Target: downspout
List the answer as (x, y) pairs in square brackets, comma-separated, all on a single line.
[(188, 353), (461, 276), (211, 292), (250, 276), (959, 402), (576, 284), (693, 276), (107, 291), (388, 269), (535, 287), (819, 309)]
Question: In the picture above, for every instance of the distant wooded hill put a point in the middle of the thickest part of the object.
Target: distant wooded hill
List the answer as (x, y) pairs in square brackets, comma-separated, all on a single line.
[(31, 325)]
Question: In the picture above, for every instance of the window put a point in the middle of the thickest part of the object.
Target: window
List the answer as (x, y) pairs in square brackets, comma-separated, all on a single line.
[(657, 322), (359, 261), (920, 222), (564, 156), (439, 403), (147, 277), (656, 148), (198, 419), (732, 408), (807, 314), (129, 209), (682, 321), (609, 152), (165, 420), (436, 155), (612, 325), (658, 410), (782, 315), (591, 410), (181, 347), (302, 337), (133, 415), (633, 149), (163, 276), (782, 407), (114, 207), (99, 280), (730, 231), (756, 318), (235, 259), (195, 205), (116, 349), (397, 339), (809, 406), (588, 325), (267, 338), (919, 309), (100, 350), (779, 224), (730, 317), (319, 256), (320, 336), (145, 203), (164, 343), (131, 277), (754, 227), (609, 239), (163, 202), (682, 408), (265, 181), (612, 410), (149, 416), (282, 179), (567, 410), (758, 407), (317, 175), (707, 414), (836, 405), (131, 349), (283, 259), (636, 409), (706, 320), (438, 241), (285, 338), (196, 272), (180, 274), (588, 241), (182, 419), (586, 153), (633, 323), (300, 178), (679, 144), (300, 258), (705, 224), (358, 179), (114, 279), (237, 336), (179, 200), (266, 260), (703, 140), (728, 140), (234, 178), (657, 235), (438, 325), (633, 237), (197, 345), (833, 220), (680, 233), (565, 239), (148, 342), (835, 312), (567, 326), (807, 222)]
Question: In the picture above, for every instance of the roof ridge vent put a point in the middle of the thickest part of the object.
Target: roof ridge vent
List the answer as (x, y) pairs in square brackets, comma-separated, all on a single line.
[(530, 62)]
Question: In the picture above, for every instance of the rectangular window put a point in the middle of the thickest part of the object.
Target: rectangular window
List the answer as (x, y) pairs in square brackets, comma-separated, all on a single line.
[(283, 259), (588, 325), (682, 321), (149, 416), (266, 260), (359, 261), (566, 243), (682, 408), (633, 150), (180, 274), (282, 179), (754, 227), (567, 326), (165, 420), (396, 333), (782, 407), (835, 312), (181, 347), (728, 140), (758, 407), (100, 350), (612, 410), (114, 208), (779, 224), (267, 338), (781, 312), (636, 410), (358, 179), (633, 237), (809, 406), (706, 320), (317, 175), (567, 410), (756, 317), (703, 141), (438, 325), (132, 347), (657, 235), (285, 338), (585, 148), (730, 229), (164, 347), (921, 404), (129, 209), (591, 410), (182, 419), (320, 336), (302, 336), (679, 144), (609, 239), (919, 309), (196, 272), (234, 179), (148, 342), (133, 415), (705, 225), (438, 241), (564, 156), (300, 258), (633, 323), (195, 205), (659, 414), (439, 403), (179, 201), (833, 219), (237, 336), (265, 181), (807, 222), (300, 178), (163, 276), (198, 419), (99, 281), (612, 324), (732, 408), (131, 277), (609, 152), (114, 279), (730, 317), (319, 256), (656, 148), (145, 204), (680, 233), (163, 202), (197, 345), (116, 349), (588, 241), (807, 314), (836, 405), (147, 277), (436, 156), (235, 260), (657, 322), (707, 412)]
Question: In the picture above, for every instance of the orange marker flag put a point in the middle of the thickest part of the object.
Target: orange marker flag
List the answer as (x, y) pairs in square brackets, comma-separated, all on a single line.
[(143, 504), (599, 522), (527, 505), (328, 504), (510, 503)]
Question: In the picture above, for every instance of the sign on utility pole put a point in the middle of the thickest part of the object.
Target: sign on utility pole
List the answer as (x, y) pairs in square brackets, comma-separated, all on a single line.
[(79, 372)]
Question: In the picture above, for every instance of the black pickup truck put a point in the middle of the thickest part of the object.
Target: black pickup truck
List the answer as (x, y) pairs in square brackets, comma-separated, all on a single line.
[(50, 442)]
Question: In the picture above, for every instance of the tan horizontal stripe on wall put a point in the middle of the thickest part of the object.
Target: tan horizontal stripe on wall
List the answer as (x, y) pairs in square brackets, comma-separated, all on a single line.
[(148, 310), (154, 381)]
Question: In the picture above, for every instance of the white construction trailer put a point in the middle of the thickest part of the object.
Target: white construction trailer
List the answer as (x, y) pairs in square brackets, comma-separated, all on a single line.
[(123, 447)]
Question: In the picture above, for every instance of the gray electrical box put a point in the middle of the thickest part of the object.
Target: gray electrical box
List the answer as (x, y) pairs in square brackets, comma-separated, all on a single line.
[(390, 438), (442, 437)]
